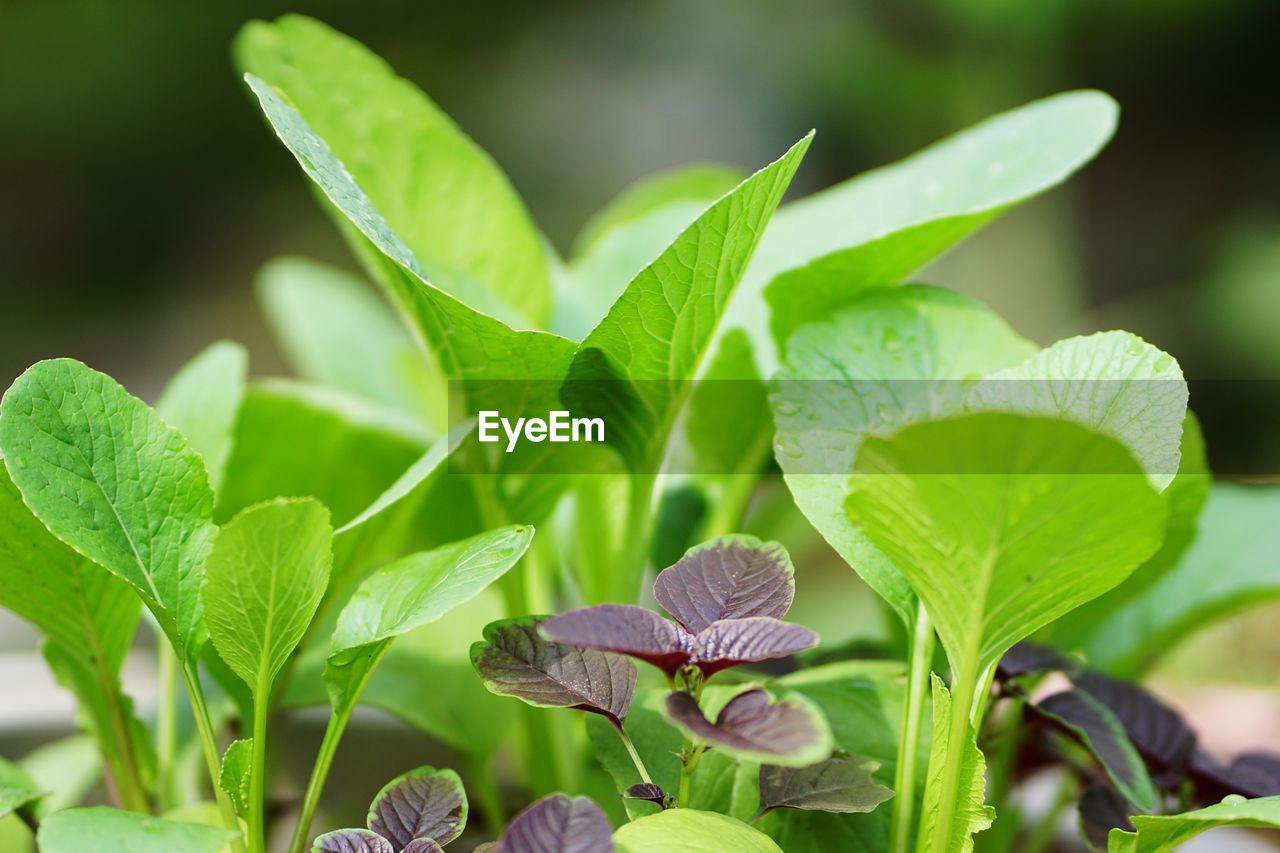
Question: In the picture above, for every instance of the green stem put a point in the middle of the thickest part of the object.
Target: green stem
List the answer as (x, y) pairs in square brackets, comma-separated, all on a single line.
[(912, 721), (319, 773), (635, 756), (978, 709), (947, 776), (209, 744), (258, 767), (635, 550), (1043, 834), (689, 757), (166, 724), (486, 793)]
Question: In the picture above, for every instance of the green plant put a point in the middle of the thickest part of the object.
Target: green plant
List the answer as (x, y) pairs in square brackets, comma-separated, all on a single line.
[(347, 539)]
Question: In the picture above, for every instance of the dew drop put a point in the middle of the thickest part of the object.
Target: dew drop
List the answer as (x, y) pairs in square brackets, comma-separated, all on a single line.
[(891, 341), (785, 407), (1233, 800)]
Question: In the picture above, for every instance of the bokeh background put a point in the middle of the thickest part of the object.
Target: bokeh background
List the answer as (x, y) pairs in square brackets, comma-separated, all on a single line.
[(140, 191)]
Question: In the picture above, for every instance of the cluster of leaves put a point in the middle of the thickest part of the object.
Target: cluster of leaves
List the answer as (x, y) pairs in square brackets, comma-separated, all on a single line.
[(339, 540)]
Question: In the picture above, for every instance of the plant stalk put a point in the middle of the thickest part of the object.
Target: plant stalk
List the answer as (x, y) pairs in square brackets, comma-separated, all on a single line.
[(487, 793), (635, 756), (258, 767), (947, 777), (922, 643), (166, 724), (209, 743), (319, 773), (689, 755)]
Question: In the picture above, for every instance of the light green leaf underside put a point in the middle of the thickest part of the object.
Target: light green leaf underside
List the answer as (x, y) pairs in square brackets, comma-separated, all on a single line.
[(892, 356), (67, 769), (455, 209), (1230, 566), (1001, 523), (295, 439), (971, 815), (17, 789), (657, 332), (335, 331), (917, 207), (1185, 499), (201, 402), (237, 764), (627, 235), (264, 579), (1112, 382), (412, 592), (101, 828), (697, 831), (1164, 833), (472, 347), (107, 476)]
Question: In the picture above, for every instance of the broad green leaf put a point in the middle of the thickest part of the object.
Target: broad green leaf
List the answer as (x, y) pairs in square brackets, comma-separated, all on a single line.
[(1185, 499), (67, 769), (1229, 566), (335, 331), (654, 337), (451, 203), (890, 357), (237, 764), (299, 440), (698, 185), (971, 815), (696, 831), (409, 593), (627, 235), (88, 617), (1002, 523), (201, 402), (474, 348), (882, 225), (101, 828), (1112, 382), (107, 476), (17, 789), (1162, 833), (264, 579)]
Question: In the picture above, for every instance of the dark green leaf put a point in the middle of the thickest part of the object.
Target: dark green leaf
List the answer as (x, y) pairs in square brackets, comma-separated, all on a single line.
[(842, 783)]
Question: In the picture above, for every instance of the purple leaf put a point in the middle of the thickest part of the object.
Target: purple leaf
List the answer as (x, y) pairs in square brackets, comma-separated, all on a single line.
[(624, 629), (751, 726), (1102, 809), (727, 578), (731, 642), (1093, 724), (516, 660), (558, 824), (842, 783), (1027, 658), (423, 803), (423, 845), (647, 791), (1253, 774), (1159, 732), (352, 841)]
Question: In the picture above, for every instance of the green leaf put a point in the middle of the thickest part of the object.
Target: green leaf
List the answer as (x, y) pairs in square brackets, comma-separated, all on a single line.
[(841, 784), (457, 212), (655, 336), (1185, 499), (971, 815), (201, 402), (696, 831), (1112, 382), (890, 357), (1103, 734), (411, 592), (67, 769), (627, 235), (101, 828), (881, 226), (17, 790), (294, 440), (695, 185), (337, 332), (1230, 566), (99, 467), (729, 424), (474, 348), (264, 579), (1002, 523), (1161, 833), (237, 764)]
